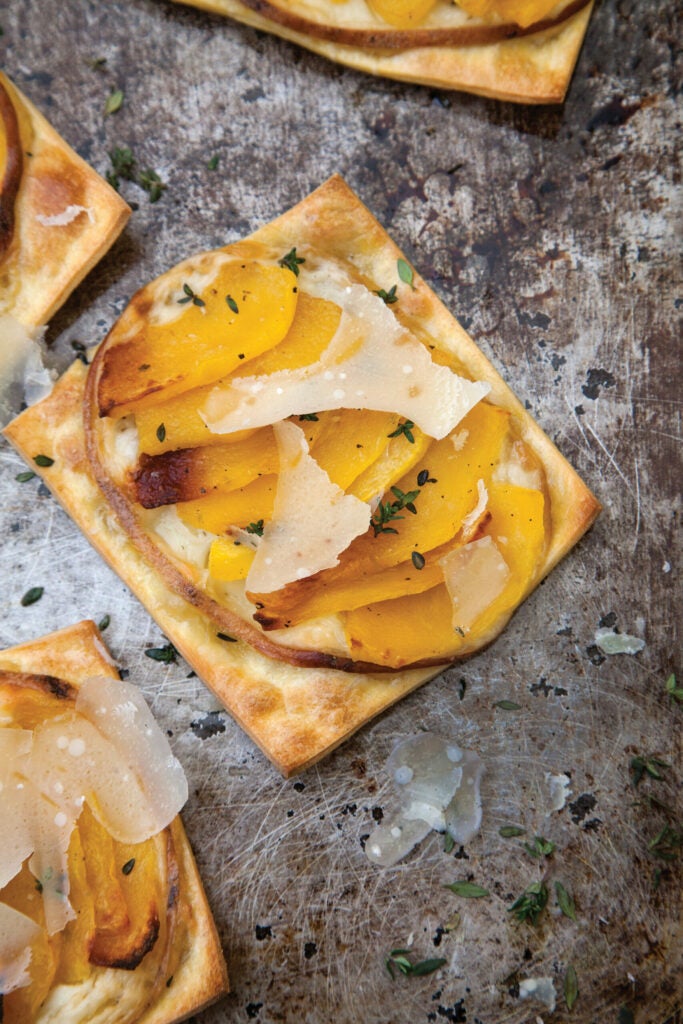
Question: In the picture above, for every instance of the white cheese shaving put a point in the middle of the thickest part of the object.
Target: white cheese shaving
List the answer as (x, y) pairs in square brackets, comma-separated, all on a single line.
[(558, 791), (482, 500), (475, 575), (69, 214), (186, 542), (23, 378), (438, 788), (542, 989), (313, 519), (372, 362), (610, 642), (17, 932)]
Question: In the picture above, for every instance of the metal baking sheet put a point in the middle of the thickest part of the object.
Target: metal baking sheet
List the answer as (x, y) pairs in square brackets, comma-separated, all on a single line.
[(552, 234)]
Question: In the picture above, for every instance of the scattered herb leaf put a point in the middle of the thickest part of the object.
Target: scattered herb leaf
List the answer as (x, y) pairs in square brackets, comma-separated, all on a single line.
[(388, 297), (226, 636), (167, 653), (122, 166), (43, 460), (161, 433), (114, 102), (309, 416), (641, 766), (256, 528), (39, 885), (448, 842), (565, 901), (387, 511), (470, 890), (292, 262), (571, 987), (406, 428), (676, 693), (104, 623), (128, 866), (666, 844), (190, 296), (418, 560), (96, 63), (507, 705), (405, 272), (24, 477), (398, 958), (529, 905), (212, 164), (232, 304), (540, 848), (509, 831), (31, 596), (152, 184)]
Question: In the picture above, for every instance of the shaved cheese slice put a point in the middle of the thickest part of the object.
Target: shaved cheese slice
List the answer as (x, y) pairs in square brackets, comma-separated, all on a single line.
[(475, 575), (438, 788), (475, 515), (372, 362), (120, 713), (51, 828), (17, 932), (313, 519), (16, 843)]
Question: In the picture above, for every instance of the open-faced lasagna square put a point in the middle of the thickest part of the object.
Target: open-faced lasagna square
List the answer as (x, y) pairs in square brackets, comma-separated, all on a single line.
[(102, 911), (308, 473), (520, 50)]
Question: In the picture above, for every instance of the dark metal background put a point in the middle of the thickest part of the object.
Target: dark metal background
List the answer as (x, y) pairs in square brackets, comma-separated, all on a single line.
[(554, 235)]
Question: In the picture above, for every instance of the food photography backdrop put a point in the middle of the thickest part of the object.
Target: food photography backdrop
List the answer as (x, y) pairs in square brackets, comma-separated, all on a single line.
[(553, 235)]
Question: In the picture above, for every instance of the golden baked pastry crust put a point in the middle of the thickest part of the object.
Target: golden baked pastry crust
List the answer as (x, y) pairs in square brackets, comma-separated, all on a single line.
[(200, 977), (296, 714), (41, 259), (504, 62)]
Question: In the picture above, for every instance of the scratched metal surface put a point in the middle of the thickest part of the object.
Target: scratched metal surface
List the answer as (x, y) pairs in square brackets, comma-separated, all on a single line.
[(553, 235)]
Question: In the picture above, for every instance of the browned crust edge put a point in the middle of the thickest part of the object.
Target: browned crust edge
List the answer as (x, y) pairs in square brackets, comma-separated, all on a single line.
[(9, 186), (408, 39)]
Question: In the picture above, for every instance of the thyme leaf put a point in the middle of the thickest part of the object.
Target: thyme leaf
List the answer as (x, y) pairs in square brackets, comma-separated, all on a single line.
[(24, 477), (122, 166), (114, 102), (31, 596), (128, 866), (571, 987), (565, 901), (227, 638), (309, 416), (405, 272), (152, 184), (507, 705), (406, 428), (641, 766), (43, 460), (190, 296), (291, 261), (541, 847), (388, 511), (529, 905), (161, 433), (418, 560), (104, 623), (399, 959), (232, 304), (212, 164), (256, 528), (509, 831), (676, 693), (470, 890), (166, 654), (388, 297)]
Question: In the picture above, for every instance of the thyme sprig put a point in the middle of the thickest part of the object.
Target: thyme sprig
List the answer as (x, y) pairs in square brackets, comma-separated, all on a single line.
[(190, 296), (675, 692), (388, 511), (530, 904), (388, 297), (641, 766), (291, 261), (406, 428), (540, 847), (256, 528)]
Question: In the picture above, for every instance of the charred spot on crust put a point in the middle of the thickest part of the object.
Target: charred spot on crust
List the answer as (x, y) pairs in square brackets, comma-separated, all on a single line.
[(161, 479), (135, 956), (59, 688)]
